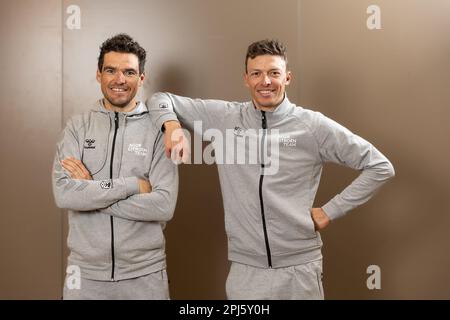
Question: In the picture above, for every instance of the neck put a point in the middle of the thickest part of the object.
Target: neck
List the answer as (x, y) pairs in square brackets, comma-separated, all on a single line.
[(266, 109), (129, 107), (271, 108)]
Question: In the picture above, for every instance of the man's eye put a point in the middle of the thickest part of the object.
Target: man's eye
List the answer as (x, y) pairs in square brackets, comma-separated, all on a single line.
[(276, 73), (130, 73), (109, 71), (254, 74)]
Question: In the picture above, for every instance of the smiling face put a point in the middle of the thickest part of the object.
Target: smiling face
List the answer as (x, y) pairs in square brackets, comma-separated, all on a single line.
[(267, 78), (120, 80)]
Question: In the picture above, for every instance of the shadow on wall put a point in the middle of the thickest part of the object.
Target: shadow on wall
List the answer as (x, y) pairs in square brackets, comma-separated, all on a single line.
[(196, 240), (170, 78), (196, 234)]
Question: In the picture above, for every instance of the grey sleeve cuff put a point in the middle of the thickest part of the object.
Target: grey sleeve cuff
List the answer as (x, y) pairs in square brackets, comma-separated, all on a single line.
[(131, 185), (332, 210), (164, 118)]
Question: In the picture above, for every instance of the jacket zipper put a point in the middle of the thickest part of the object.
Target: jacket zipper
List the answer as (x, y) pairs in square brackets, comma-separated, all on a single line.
[(116, 127), (261, 178)]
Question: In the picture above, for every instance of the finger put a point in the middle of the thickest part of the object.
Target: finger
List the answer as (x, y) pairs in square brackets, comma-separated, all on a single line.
[(175, 148), (85, 172), (186, 151), (182, 152), (68, 165), (79, 164), (81, 170), (167, 145), (180, 149), (69, 168), (175, 155), (74, 169)]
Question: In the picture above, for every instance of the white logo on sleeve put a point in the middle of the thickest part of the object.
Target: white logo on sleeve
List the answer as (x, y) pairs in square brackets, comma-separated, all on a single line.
[(106, 184), (137, 149)]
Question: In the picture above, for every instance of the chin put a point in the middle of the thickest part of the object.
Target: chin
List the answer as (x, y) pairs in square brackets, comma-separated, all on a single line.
[(120, 103)]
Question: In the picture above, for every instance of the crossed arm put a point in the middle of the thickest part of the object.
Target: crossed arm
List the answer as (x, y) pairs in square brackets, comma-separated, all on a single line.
[(143, 206), (77, 170), (129, 198)]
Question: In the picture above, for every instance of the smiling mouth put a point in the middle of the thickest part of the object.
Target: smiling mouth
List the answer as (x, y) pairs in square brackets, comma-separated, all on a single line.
[(118, 90), (266, 92)]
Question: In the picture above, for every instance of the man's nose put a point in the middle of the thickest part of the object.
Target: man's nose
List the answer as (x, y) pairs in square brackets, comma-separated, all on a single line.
[(120, 78), (267, 80)]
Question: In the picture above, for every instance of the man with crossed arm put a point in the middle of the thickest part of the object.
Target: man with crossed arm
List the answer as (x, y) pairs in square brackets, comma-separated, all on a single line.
[(111, 173)]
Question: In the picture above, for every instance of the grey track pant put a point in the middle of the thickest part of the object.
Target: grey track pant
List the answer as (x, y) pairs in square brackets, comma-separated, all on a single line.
[(300, 282), (153, 286)]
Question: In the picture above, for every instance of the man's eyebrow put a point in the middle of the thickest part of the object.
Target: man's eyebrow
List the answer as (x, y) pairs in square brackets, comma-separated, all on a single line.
[(273, 69), (124, 70), (131, 69)]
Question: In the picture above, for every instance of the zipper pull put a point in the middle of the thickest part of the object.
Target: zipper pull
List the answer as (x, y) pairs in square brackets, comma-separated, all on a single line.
[(264, 121)]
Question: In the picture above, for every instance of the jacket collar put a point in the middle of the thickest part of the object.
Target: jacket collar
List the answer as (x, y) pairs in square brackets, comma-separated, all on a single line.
[(141, 108), (280, 112)]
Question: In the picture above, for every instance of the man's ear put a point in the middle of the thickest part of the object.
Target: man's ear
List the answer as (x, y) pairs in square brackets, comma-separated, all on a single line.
[(246, 80), (98, 76), (141, 78), (288, 77)]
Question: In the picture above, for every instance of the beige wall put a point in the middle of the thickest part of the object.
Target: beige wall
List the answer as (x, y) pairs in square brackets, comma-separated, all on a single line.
[(390, 86), (30, 121)]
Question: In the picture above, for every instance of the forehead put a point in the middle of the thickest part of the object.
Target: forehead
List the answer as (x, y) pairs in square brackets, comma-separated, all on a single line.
[(121, 60), (266, 62)]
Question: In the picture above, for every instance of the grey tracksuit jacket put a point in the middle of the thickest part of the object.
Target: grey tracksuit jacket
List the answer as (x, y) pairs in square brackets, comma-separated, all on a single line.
[(267, 212), (115, 232)]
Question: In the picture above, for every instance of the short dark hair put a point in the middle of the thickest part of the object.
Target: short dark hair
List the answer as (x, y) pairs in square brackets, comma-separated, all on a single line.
[(262, 47), (125, 44)]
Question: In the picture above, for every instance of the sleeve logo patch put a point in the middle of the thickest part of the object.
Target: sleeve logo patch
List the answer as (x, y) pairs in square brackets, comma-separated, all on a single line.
[(163, 105), (106, 184)]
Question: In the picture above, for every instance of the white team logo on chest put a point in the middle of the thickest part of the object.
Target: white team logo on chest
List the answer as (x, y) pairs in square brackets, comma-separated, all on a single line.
[(287, 141), (137, 149)]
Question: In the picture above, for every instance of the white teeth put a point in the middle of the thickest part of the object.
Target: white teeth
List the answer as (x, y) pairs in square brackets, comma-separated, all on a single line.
[(118, 90)]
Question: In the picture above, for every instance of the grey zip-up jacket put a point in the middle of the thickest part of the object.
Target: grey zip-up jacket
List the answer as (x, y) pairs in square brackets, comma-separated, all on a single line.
[(268, 214), (116, 233)]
